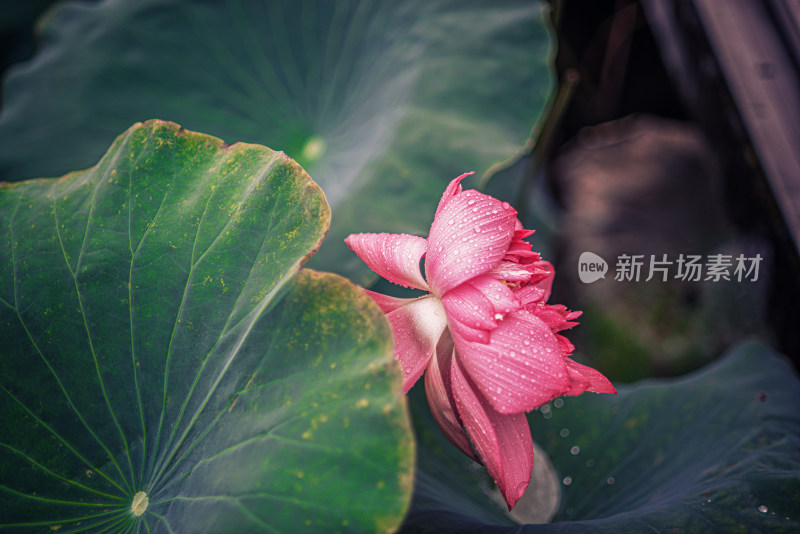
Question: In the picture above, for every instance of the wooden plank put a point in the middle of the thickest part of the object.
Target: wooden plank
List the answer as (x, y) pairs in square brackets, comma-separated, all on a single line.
[(763, 79)]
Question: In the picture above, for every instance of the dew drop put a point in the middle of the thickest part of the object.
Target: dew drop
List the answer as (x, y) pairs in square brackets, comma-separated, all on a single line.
[(564, 432), (610, 481), (505, 205), (494, 212), (471, 202), (574, 451), (451, 221), (558, 403), (441, 248), (567, 481), (763, 509)]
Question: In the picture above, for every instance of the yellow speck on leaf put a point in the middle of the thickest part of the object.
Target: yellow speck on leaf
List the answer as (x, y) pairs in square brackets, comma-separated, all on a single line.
[(139, 503)]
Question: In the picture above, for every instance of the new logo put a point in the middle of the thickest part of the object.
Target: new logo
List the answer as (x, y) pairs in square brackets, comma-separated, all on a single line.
[(591, 267)]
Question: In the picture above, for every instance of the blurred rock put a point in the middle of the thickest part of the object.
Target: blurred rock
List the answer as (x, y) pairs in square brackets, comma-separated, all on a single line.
[(648, 186)]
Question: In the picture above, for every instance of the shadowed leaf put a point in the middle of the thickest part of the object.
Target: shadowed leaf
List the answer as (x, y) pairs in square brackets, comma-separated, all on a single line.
[(382, 102)]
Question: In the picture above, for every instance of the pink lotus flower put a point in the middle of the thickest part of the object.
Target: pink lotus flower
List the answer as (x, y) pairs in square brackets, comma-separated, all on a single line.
[(484, 336)]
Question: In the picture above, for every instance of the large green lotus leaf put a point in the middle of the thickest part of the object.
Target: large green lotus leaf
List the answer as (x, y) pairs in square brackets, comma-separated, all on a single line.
[(382, 102), (714, 451), (157, 335)]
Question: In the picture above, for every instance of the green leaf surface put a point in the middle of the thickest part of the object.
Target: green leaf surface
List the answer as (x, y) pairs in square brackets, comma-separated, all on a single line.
[(157, 335), (714, 451), (382, 102)]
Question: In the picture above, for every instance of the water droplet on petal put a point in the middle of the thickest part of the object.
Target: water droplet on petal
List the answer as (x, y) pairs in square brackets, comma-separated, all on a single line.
[(451, 221), (471, 202), (505, 205)]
